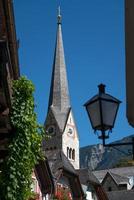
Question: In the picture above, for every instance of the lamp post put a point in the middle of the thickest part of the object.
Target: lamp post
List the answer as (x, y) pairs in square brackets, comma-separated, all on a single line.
[(102, 111)]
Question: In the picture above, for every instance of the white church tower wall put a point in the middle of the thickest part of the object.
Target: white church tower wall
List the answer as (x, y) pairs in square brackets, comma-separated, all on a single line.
[(70, 142)]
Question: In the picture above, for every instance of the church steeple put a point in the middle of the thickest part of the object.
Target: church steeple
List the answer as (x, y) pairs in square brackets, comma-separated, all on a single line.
[(60, 124), (59, 94), (59, 100)]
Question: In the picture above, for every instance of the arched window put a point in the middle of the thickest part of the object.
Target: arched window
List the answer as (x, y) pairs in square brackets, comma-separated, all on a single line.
[(109, 189), (70, 153), (67, 152), (73, 154)]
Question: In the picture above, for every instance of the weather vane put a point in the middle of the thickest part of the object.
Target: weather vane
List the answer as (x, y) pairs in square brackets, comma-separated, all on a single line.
[(59, 15)]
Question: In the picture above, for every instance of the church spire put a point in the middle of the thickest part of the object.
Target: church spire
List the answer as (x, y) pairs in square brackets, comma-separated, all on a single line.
[(59, 94), (59, 123)]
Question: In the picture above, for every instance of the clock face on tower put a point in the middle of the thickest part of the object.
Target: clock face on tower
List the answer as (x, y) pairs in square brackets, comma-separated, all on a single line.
[(70, 131), (51, 130)]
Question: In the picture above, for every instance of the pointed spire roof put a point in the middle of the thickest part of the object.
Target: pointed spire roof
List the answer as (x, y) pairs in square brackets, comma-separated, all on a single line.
[(59, 100)]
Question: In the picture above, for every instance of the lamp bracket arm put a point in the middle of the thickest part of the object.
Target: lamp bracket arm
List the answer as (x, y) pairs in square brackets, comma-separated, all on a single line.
[(119, 144)]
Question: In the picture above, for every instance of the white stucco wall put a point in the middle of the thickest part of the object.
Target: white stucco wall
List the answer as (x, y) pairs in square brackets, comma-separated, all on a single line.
[(71, 140)]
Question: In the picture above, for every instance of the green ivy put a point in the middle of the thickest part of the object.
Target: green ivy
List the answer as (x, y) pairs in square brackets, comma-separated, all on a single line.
[(25, 146)]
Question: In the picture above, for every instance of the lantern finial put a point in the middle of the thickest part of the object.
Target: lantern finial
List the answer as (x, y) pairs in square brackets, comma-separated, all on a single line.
[(101, 88)]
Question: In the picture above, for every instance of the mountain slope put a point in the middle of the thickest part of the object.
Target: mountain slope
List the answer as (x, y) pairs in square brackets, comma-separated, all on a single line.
[(99, 157)]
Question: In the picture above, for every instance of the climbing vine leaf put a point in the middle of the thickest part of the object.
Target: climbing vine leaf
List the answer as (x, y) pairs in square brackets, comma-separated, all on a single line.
[(25, 146)]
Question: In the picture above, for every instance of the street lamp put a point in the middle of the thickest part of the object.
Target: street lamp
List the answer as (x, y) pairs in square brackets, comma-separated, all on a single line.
[(102, 111)]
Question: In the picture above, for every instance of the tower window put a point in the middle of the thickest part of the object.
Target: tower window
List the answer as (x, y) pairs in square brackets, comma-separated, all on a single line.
[(109, 189), (70, 153), (67, 152), (73, 154)]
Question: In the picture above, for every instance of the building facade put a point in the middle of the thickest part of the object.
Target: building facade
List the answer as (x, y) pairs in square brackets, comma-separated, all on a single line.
[(129, 57), (114, 182), (9, 71)]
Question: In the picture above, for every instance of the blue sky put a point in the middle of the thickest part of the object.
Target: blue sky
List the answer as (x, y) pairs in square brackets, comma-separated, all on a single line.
[(93, 35)]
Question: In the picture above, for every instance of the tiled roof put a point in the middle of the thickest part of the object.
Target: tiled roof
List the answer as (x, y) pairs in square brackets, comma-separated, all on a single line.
[(121, 195), (119, 179), (87, 176), (122, 171), (60, 116), (60, 165), (57, 160)]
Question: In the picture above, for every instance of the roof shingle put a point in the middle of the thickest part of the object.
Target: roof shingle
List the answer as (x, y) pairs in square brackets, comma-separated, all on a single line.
[(122, 195)]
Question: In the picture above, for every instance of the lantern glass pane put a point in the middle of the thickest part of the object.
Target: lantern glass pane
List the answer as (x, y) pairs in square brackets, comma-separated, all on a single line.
[(109, 110), (94, 113)]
